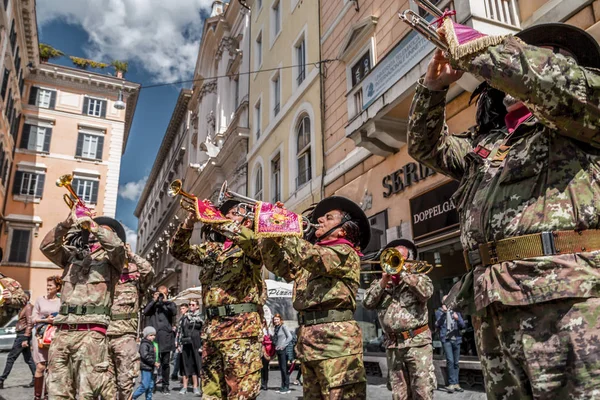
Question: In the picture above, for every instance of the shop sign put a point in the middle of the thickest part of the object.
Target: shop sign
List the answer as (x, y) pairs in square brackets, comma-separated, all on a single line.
[(404, 177), (408, 53), (434, 211)]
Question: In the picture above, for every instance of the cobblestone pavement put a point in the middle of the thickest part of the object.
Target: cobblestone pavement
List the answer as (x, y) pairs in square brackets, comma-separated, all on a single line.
[(21, 376)]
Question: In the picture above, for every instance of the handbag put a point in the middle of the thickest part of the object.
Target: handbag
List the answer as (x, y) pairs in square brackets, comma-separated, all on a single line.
[(268, 345), (46, 339), (186, 340)]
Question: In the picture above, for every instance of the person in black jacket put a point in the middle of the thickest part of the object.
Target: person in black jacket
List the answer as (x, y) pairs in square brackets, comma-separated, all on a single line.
[(189, 344), (160, 314), (147, 363)]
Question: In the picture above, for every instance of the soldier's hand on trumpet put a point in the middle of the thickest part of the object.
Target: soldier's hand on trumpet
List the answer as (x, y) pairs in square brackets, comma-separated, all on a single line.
[(190, 220), (440, 73)]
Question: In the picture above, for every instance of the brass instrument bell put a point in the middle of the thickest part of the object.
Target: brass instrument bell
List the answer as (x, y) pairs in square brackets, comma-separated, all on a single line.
[(188, 201), (393, 263), (65, 181)]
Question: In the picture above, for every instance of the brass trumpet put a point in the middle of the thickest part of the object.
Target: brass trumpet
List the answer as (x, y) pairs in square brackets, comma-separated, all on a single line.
[(188, 201), (393, 263), (421, 25), (65, 181)]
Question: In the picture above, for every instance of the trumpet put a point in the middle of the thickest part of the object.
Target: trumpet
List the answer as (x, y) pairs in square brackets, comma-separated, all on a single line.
[(248, 205), (65, 181), (188, 201), (393, 263), (421, 25)]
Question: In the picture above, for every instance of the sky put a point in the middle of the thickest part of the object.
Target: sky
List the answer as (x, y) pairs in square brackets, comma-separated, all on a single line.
[(160, 40)]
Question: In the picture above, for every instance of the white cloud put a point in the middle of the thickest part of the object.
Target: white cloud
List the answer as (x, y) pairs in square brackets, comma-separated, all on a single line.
[(131, 237), (160, 36), (132, 190)]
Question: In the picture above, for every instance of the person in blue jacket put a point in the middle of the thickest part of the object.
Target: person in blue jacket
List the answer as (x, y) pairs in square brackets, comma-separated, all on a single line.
[(449, 324)]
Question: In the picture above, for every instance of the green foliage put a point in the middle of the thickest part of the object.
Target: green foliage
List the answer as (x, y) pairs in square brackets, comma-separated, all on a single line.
[(120, 65), (47, 52), (84, 63)]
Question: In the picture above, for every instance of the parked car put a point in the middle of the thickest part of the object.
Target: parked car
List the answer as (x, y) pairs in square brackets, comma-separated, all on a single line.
[(8, 334)]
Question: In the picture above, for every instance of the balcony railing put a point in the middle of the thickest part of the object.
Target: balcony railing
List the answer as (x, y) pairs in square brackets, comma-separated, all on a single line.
[(276, 109), (301, 76), (505, 11)]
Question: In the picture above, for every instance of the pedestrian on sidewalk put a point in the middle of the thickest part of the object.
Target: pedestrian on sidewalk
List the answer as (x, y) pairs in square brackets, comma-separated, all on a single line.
[(189, 343), (449, 324), (22, 343), (268, 351), (282, 337), (148, 364)]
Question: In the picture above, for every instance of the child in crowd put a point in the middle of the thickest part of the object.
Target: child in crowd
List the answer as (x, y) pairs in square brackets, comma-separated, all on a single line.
[(148, 363)]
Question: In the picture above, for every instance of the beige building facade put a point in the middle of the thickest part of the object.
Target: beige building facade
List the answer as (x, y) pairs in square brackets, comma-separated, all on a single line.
[(285, 153), (68, 125), (367, 100)]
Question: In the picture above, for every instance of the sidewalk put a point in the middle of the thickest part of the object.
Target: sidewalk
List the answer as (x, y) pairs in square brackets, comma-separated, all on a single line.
[(376, 389)]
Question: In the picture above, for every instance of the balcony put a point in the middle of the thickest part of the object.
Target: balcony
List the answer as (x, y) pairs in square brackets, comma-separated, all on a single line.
[(378, 106)]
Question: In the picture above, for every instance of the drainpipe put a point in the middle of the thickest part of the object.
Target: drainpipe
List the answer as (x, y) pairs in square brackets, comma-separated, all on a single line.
[(322, 98), (249, 41)]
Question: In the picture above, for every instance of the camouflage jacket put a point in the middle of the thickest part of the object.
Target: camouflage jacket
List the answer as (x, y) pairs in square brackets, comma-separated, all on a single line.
[(547, 180), (132, 284), (325, 278), (17, 300), (402, 307), (228, 276), (88, 280)]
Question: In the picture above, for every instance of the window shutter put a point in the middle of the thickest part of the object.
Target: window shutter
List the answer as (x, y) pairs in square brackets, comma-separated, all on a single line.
[(17, 182), (79, 149), (103, 110), (75, 185), (95, 187), (86, 102), (39, 190), (47, 140), (33, 92), (53, 100), (99, 149), (25, 136)]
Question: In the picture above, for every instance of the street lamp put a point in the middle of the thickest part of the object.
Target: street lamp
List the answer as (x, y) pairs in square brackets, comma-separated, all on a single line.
[(120, 104)]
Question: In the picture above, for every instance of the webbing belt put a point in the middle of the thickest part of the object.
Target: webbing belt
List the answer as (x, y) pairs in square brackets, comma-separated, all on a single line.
[(534, 245), (83, 309), (121, 317), (307, 318), (230, 310)]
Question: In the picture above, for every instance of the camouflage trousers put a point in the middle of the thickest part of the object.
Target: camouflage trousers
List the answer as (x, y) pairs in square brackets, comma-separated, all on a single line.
[(411, 373), (231, 369), (78, 366), (125, 360), (543, 351), (335, 378)]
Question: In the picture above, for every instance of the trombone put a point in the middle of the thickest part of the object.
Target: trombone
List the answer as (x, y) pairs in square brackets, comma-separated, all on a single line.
[(393, 263), (421, 25), (249, 204)]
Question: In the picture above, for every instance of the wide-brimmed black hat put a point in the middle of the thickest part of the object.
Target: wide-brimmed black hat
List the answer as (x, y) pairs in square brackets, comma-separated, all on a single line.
[(114, 225), (347, 205), (582, 45), (403, 242), (228, 205)]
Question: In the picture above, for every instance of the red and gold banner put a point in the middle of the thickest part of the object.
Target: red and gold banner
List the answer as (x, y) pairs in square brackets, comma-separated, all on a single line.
[(209, 214), (273, 221)]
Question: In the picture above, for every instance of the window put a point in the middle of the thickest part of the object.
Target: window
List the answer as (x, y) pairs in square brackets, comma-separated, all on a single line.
[(358, 101), (236, 93), (19, 245), (86, 189), (258, 51), (17, 60), (36, 138), (29, 184), (89, 146), (5, 82), (258, 184), (43, 98), (5, 4), (257, 118), (276, 179), (276, 83), (276, 15), (21, 83), (258, 4), (361, 68), (14, 125), (13, 36), (94, 107), (301, 61), (9, 105), (303, 152)]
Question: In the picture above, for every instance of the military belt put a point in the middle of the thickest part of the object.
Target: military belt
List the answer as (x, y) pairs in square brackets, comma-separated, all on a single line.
[(83, 309), (409, 334), (121, 317), (307, 318), (534, 245), (230, 310)]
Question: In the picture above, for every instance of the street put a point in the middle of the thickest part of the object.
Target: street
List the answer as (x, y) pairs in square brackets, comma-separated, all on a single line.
[(20, 376)]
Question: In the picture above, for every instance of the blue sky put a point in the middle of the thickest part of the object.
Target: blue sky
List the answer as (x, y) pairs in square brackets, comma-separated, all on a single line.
[(159, 40)]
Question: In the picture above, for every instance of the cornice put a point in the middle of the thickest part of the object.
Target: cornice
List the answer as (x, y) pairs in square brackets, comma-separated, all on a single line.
[(29, 16)]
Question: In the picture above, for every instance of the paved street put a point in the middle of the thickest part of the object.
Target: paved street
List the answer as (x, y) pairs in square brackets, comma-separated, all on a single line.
[(20, 376)]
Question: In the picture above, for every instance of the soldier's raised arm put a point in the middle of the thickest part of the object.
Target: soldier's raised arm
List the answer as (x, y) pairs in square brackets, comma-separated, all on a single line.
[(420, 285), (53, 244), (376, 294), (112, 244)]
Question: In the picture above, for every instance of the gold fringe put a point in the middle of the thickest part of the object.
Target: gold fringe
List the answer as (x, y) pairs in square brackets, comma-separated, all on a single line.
[(459, 51), (261, 235)]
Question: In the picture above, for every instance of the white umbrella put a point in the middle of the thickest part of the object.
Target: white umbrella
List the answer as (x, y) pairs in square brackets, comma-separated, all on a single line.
[(194, 293)]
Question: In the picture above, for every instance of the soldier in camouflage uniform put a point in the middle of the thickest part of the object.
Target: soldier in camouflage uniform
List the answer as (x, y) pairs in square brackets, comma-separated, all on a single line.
[(529, 204), (232, 286), (326, 278), (14, 298), (123, 328), (92, 254), (401, 303)]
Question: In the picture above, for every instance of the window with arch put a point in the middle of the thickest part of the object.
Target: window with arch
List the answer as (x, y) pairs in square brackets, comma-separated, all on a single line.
[(258, 184), (303, 152)]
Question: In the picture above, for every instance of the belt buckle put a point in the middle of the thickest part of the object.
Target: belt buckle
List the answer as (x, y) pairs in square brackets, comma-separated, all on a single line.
[(83, 309), (72, 327), (228, 310), (211, 312), (493, 253), (548, 244), (300, 319), (71, 309)]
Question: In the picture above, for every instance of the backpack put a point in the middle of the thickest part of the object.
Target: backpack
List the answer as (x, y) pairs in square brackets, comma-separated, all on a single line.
[(268, 346)]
